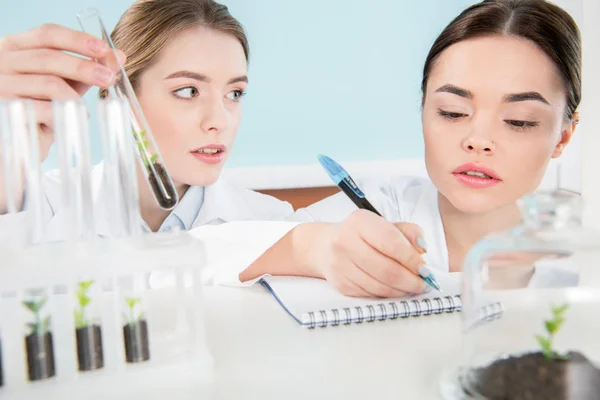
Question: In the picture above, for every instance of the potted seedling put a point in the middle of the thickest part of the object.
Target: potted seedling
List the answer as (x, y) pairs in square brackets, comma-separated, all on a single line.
[(157, 174), (135, 332), (89, 335), (545, 374), (40, 349)]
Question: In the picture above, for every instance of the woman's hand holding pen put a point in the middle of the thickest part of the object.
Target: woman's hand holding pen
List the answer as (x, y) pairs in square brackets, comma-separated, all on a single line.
[(367, 256), (34, 65)]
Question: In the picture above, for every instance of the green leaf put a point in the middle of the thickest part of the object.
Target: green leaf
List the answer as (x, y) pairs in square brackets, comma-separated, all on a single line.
[(30, 305), (41, 303), (551, 326), (560, 310), (145, 143), (85, 285), (153, 158), (559, 322), (139, 318), (83, 299), (132, 301), (35, 306), (544, 343)]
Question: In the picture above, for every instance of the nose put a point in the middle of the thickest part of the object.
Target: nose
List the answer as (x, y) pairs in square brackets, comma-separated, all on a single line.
[(214, 117), (478, 144)]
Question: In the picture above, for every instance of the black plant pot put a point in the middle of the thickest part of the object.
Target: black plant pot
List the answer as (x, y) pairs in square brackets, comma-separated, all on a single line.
[(532, 377), (89, 348), (136, 342), (40, 356)]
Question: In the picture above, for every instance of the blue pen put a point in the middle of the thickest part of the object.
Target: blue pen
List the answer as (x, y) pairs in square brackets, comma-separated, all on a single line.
[(345, 182)]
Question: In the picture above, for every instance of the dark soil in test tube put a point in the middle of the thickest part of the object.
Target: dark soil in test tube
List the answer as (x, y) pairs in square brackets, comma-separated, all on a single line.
[(533, 377), (163, 201), (136, 342), (40, 356), (89, 348)]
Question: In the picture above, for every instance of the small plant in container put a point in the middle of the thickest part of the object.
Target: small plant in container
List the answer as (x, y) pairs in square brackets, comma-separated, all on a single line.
[(157, 174), (39, 345), (89, 335), (135, 332), (545, 374)]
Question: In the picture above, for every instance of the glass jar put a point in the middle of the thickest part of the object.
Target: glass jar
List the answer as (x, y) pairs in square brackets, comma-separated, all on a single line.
[(531, 326)]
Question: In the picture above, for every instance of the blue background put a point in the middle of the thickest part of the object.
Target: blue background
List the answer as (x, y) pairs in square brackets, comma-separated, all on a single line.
[(340, 77)]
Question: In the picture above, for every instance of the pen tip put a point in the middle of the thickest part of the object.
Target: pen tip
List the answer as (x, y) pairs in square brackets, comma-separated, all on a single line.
[(430, 280)]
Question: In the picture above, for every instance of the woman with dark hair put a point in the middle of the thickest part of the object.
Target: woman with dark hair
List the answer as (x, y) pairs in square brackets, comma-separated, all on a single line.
[(501, 87)]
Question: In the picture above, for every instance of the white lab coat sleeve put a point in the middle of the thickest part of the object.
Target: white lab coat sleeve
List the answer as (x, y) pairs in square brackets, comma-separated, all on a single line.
[(232, 247)]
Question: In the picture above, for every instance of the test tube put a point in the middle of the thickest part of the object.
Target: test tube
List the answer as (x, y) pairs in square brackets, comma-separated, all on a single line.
[(20, 182), (121, 194), (149, 157), (72, 140)]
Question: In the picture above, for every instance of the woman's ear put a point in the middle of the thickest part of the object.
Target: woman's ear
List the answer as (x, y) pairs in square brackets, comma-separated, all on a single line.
[(566, 135)]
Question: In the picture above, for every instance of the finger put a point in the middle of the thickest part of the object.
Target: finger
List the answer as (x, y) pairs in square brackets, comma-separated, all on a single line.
[(371, 285), (58, 63), (386, 270), (82, 88), (414, 234), (56, 37), (40, 87), (386, 238), (349, 288)]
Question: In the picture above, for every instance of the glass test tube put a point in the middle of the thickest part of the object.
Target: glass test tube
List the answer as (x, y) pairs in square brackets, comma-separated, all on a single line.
[(121, 194), (20, 182), (147, 151), (72, 140)]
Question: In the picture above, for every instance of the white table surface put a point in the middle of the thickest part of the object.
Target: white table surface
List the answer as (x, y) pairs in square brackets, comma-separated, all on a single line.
[(261, 352)]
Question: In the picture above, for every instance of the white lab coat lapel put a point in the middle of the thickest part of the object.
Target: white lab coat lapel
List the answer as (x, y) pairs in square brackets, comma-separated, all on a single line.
[(222, 203)]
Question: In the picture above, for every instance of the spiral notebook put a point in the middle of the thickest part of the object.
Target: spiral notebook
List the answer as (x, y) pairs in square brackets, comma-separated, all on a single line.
[(316, 303)]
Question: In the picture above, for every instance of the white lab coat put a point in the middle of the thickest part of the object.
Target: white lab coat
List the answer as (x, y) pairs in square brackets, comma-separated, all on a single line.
[(415, 200), (236, 225)]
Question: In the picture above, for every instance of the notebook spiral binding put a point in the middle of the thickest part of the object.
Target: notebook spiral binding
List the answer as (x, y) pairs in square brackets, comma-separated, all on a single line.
[(382, 311)]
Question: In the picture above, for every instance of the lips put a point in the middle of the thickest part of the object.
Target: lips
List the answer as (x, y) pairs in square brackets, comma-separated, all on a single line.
[(477, 170), (476, 176), (210, 154), (210, 149)]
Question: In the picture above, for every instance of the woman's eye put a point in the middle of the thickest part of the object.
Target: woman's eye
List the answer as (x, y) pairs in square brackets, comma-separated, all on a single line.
[(451, 115), (235, 95), (186, 92), (521, 125)]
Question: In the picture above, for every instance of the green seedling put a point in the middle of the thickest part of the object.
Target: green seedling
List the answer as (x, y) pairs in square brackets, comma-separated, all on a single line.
[(83, 299), (143, 147), (40, 326), (552, 327), (131, 319)]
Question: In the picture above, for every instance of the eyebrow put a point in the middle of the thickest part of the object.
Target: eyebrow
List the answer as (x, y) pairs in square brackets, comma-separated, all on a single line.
[(203, 78), (509, 98), (448, 88), (516, 97)]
